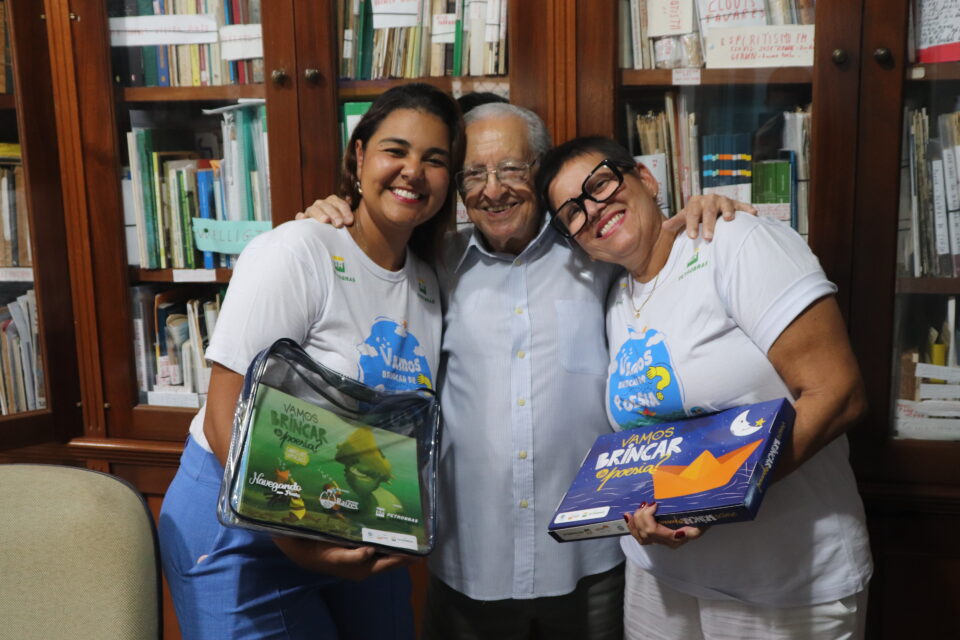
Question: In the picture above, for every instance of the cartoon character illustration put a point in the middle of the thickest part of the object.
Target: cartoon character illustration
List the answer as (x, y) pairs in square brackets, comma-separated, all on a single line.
[(365, 469), (643, 386), (295, 503)]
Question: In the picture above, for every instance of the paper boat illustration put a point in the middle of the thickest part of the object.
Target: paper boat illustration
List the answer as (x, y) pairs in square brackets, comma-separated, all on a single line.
[(705, 473)]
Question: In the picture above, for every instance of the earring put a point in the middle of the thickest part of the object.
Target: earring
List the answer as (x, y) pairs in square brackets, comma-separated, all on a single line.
[(359, 188)]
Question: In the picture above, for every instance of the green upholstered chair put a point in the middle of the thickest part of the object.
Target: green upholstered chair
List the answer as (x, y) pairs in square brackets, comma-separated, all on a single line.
[(78, 556)]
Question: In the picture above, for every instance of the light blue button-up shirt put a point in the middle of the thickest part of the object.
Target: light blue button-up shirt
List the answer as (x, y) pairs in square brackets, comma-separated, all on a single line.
[(524, 363)]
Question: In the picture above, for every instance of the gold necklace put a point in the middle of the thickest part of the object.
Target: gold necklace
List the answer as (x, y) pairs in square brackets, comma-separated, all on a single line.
[(636, 309)]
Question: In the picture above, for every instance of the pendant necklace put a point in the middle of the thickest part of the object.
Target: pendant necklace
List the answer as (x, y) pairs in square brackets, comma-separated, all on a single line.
[(636, 309), (653, 289)]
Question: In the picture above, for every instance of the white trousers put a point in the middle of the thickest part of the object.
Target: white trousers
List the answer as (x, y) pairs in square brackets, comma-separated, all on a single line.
[(655, 611)]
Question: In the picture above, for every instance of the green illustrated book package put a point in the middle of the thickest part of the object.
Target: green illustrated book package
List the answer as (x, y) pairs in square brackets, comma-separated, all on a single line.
[(319, 455)]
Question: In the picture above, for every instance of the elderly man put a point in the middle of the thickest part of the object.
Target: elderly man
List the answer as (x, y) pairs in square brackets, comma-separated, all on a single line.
[(522, 388)]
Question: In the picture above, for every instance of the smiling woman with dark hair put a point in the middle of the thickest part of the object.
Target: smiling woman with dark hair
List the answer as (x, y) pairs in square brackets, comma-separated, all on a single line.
[(696, 327), (330, 290)]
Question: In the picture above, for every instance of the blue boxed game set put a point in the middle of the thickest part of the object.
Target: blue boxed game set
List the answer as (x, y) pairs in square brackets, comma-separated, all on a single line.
[(703, 470)]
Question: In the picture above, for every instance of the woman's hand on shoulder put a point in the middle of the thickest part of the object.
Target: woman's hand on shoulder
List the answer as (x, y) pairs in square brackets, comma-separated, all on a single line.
[(331, 210), (645, 528), (342, 562), (706, 210)]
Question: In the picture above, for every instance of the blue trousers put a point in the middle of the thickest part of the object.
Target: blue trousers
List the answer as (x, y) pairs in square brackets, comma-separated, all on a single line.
[(233, 583)]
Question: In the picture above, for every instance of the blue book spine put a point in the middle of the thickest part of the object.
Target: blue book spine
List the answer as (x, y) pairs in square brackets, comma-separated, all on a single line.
[(163, 52), (205, 204)]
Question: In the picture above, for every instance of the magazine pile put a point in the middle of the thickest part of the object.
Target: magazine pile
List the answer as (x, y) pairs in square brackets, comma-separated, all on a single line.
[(318, 455)]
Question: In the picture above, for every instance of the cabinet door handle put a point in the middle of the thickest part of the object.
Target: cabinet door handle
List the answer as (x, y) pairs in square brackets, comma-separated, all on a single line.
[(312, 76), (883, 56), (279, 76), (839, 56)]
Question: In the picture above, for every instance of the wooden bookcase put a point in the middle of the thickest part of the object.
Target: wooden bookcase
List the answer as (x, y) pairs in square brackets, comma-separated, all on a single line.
[(562, 64), (911, 488)]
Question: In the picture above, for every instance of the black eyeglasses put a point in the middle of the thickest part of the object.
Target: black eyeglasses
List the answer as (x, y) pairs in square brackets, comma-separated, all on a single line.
[(570, 218), (508, 172)]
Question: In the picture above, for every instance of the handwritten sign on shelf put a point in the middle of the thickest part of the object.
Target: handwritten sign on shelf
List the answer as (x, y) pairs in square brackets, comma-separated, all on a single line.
[(766, 46)]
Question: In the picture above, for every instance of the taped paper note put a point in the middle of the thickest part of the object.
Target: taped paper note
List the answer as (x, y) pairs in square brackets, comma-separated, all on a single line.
[(241, 42), (142, 31), (669, 17), (768, 46), (395, 13), (444, 28)]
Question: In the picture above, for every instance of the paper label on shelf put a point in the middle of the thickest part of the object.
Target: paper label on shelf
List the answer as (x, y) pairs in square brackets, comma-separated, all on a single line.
[(444, 28), (241, 42), (16, 274), (766, 46), (140, 31), (686, 76), (669, 18), (395, 13), (226, 236), (194, 275)]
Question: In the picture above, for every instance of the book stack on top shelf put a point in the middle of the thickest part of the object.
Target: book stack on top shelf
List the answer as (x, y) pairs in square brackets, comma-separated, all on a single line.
[(670, 34), (185, 43), (422, 38)]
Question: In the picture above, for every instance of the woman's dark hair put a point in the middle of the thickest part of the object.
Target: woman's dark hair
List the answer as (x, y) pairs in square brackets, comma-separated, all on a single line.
[(554, 160), (427, 238)]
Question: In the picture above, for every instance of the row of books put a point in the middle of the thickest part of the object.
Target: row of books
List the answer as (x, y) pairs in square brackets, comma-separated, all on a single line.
[(15, 248), (417, 38), (929, 220), (184, 43), (768, 167), (171, 331), (668, 34), (22, 383), (6, 58), (176, 177)]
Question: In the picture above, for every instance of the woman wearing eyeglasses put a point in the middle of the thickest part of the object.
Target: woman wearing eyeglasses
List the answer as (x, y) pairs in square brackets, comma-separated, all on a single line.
[(696, 327)]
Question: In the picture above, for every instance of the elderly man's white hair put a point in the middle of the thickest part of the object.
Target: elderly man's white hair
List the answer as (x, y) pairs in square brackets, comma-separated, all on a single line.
[(537, 135)]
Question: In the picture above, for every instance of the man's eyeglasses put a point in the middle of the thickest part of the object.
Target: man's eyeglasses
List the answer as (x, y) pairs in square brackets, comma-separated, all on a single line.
[(512, 173), (570, 218)]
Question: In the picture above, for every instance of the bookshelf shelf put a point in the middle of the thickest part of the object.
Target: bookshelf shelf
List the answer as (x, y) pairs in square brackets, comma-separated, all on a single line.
[(664, 77), (370, 89), (187, 94), (933, 286), (180, 275), (8, 101)]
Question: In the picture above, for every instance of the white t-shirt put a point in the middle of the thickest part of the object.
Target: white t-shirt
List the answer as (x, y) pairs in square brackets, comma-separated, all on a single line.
[(311, 283), (700, 345)]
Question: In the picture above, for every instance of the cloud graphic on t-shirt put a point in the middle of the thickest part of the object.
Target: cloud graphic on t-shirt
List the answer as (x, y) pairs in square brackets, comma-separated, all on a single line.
[(655, 339), (418, 350), (401, 330), (366, 349)]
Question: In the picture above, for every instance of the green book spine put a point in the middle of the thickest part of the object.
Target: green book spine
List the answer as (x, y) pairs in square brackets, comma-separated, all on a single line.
[(145, 153), (458, 41)]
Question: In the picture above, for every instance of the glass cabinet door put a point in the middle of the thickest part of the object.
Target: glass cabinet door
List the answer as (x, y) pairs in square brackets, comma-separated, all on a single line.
[(926, 373), (39, 392)]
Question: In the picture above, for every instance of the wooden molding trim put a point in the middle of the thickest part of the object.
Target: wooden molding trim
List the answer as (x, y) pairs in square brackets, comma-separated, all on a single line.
[(79, 242)]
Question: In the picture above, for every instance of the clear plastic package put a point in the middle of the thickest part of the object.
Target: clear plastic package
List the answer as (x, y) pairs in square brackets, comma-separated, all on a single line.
[(319, 455)]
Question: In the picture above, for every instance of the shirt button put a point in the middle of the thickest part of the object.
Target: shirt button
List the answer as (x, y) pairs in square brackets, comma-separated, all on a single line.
[(521, 354), (518, 262), (524, 504), (523, 455), (519, 311), (521, 402)]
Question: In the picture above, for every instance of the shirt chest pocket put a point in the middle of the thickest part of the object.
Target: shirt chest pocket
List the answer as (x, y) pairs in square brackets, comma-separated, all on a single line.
[(581, 337)]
